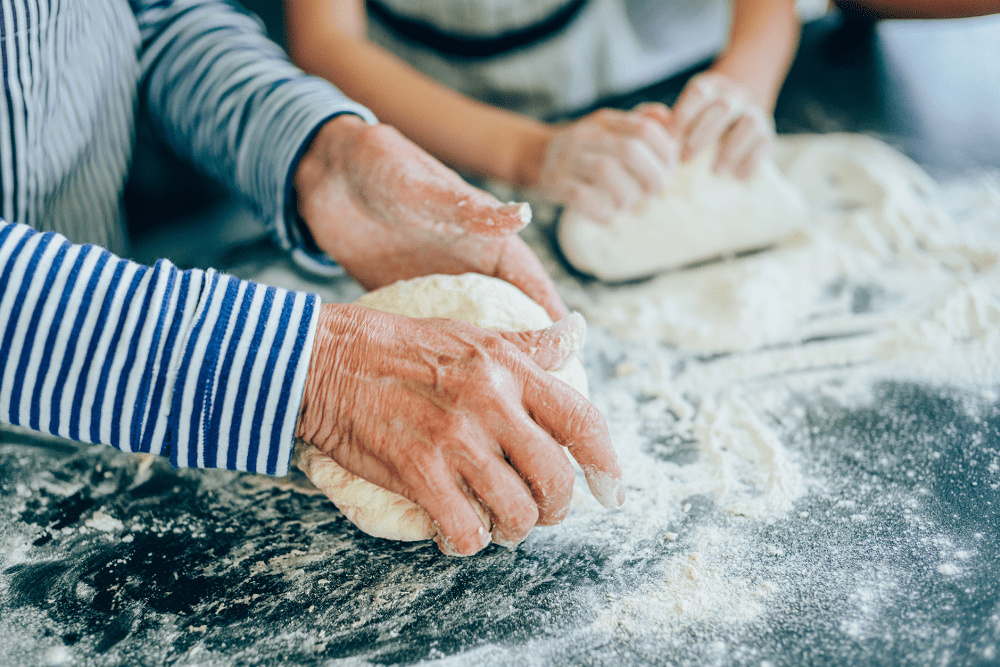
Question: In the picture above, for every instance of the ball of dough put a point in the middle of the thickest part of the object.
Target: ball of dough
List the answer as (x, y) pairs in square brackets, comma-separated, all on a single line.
[(486, 302), (699, 216)]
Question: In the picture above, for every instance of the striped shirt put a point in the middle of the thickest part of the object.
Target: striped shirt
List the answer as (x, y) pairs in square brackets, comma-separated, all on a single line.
[(196, 365)]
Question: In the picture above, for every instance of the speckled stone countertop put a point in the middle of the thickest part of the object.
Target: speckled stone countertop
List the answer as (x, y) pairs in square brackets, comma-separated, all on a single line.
[(121, 560)]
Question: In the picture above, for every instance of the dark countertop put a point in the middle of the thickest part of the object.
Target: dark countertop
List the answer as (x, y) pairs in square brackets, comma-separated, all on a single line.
[(221, 568), (893, 560)]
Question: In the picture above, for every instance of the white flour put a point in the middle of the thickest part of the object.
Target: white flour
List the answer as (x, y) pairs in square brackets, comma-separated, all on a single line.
[(896, 278)]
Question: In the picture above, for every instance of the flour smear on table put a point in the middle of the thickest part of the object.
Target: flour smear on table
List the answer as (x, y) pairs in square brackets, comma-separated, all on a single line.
[(893, 277), (707, 376)]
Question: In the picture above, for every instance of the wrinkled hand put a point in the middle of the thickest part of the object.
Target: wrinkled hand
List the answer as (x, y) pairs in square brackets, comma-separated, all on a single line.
[(385, 210), (445, 413), (609, 160), (714, 108)]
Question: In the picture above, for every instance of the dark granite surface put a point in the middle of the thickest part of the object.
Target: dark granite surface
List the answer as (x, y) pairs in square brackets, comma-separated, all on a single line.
[(220, 568), (894, 560)]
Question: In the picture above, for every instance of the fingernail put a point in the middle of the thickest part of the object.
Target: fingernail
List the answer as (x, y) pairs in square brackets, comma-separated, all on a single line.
[(507, 544), (608, 490)]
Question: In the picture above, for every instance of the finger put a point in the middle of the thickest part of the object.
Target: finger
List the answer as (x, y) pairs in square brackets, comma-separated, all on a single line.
[(519, 266), (506, 497), (643, 165), (575, 423), (656, 111), (553, 347), (707, 128), (736, 143), (445, 207), (485, 216), (749, 164), (410, 185), (461, 530), (607, 174), (543, 466), (653, 134), (589, 200), (695, 98)]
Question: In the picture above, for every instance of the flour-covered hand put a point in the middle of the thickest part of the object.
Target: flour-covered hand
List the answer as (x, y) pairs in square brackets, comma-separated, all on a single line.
[(445, 413), (386, 211), (608, 161), (715, 109)]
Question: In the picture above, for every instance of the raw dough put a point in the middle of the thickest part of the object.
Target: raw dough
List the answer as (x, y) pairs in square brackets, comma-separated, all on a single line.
[(699, 216), (486, 302)]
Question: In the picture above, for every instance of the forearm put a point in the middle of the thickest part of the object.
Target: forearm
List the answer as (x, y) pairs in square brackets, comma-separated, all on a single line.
[(457, 130), (762, 44), (228, 98), (194, 365)]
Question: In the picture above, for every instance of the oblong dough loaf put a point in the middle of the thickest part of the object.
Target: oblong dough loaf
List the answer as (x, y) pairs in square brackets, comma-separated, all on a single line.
[(699, 216), (486, 302)]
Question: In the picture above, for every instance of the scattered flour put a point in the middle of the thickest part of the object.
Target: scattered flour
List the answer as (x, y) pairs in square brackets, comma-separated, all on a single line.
[(895, 277), (104, 522)]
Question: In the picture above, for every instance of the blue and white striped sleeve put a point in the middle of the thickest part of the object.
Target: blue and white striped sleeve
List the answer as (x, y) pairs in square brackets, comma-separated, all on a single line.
[(195, 365), (227, 97)]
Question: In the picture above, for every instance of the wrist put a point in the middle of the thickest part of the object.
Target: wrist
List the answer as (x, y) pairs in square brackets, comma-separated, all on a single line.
[(332, 326), (326, 149), (761, 90), (528, 155)]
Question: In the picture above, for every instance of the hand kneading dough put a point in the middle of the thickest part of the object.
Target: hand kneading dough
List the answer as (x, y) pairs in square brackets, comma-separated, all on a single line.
[(699, 216), (486, 302)]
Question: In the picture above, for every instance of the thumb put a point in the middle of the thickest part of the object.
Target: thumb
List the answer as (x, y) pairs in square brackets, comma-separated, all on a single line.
[(461, 208), (551, 348)]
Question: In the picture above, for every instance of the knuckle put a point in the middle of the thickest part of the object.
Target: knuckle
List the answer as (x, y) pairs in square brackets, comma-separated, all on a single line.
[(645, 128), (586, 421), (604, 115), (495, 349), (379, 135), (419, 467), (478, 457), (559, 481)]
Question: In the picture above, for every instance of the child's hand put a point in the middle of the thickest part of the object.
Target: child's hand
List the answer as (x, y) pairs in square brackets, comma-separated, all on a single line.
[(608, 161), (714, 108)]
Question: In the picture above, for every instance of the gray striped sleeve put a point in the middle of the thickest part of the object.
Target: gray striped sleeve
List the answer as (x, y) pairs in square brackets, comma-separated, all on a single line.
[(227, 97), (196, 365)]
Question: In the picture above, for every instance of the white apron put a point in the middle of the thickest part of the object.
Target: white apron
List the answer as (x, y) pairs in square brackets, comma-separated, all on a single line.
[(549, 57)]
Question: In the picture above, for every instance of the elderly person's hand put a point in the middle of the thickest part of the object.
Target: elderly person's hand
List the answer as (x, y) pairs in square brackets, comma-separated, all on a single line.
[(609, 161), (438, 410), (387, 211), (714, 109), (444, 413)]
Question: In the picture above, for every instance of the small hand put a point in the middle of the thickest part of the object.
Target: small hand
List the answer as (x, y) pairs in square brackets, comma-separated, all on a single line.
[(714, 108), (450, 415), (609, 160), (387, 211)]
